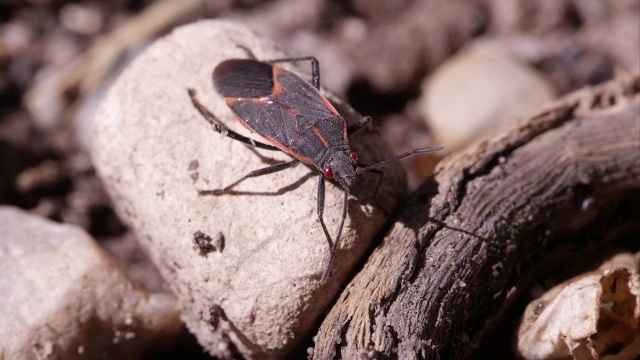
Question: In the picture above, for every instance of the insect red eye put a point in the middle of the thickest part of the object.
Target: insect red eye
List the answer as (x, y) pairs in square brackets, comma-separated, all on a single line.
[(354, 156), (328, 172)]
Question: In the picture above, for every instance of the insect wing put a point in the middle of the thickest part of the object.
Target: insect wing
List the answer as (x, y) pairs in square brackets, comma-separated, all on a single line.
[(238, 78), (280, 106)]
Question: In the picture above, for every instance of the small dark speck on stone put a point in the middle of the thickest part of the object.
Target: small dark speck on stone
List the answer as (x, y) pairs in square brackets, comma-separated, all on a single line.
[(205, 244), (193, 165)]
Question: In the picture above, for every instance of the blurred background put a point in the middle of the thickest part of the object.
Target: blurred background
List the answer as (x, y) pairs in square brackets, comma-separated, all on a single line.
[(429, 72)]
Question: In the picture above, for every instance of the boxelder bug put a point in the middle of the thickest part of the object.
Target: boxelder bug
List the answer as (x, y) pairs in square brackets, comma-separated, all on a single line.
[(293, 117)]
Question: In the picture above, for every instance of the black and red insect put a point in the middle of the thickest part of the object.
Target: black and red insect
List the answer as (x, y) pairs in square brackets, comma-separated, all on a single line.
[(292, 116)]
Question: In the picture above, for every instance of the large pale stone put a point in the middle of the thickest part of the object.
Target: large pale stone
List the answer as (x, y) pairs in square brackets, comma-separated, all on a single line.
[(260, 292), (479, 91)]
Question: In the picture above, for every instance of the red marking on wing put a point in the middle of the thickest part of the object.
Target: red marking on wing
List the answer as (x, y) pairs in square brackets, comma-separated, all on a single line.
[(277, 87), (319, 135), (328, 105), (288, 150)]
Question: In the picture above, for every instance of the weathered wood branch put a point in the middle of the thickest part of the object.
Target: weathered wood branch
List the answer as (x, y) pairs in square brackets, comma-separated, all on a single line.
[(469, 240)]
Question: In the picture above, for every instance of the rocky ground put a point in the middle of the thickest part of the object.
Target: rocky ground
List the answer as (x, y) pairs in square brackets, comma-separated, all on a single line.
[(447, 73)]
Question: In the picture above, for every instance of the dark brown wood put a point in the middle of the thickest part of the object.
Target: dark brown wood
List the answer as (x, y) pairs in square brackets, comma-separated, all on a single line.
[(470, 239)]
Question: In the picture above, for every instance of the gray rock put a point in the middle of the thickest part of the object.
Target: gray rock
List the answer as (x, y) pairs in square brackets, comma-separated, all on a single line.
[(260, 293), (64, 298)]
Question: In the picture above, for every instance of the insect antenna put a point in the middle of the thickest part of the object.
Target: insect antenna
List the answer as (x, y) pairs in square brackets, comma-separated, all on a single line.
[(366, 168)]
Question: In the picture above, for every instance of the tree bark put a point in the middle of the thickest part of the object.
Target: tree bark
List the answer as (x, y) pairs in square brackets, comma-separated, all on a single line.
[(470, 239)]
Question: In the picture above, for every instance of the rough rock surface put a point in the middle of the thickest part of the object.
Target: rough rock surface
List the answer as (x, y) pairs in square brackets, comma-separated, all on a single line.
[(261, 293), (64, 298)]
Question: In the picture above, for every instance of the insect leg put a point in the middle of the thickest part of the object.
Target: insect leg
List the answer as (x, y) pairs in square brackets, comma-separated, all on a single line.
[(255, 173), (315, 67), (212, 119), (380, 175), (364, 121), (320, 211), (248, 51), (320, 207)]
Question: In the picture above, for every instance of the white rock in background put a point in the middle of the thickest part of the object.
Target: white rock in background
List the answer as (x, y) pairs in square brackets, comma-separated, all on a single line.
[(595, 315), (64, 298), (261, 294), (479, 91)]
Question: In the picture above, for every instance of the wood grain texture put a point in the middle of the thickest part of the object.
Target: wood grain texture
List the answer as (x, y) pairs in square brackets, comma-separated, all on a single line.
[(469, 240)]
